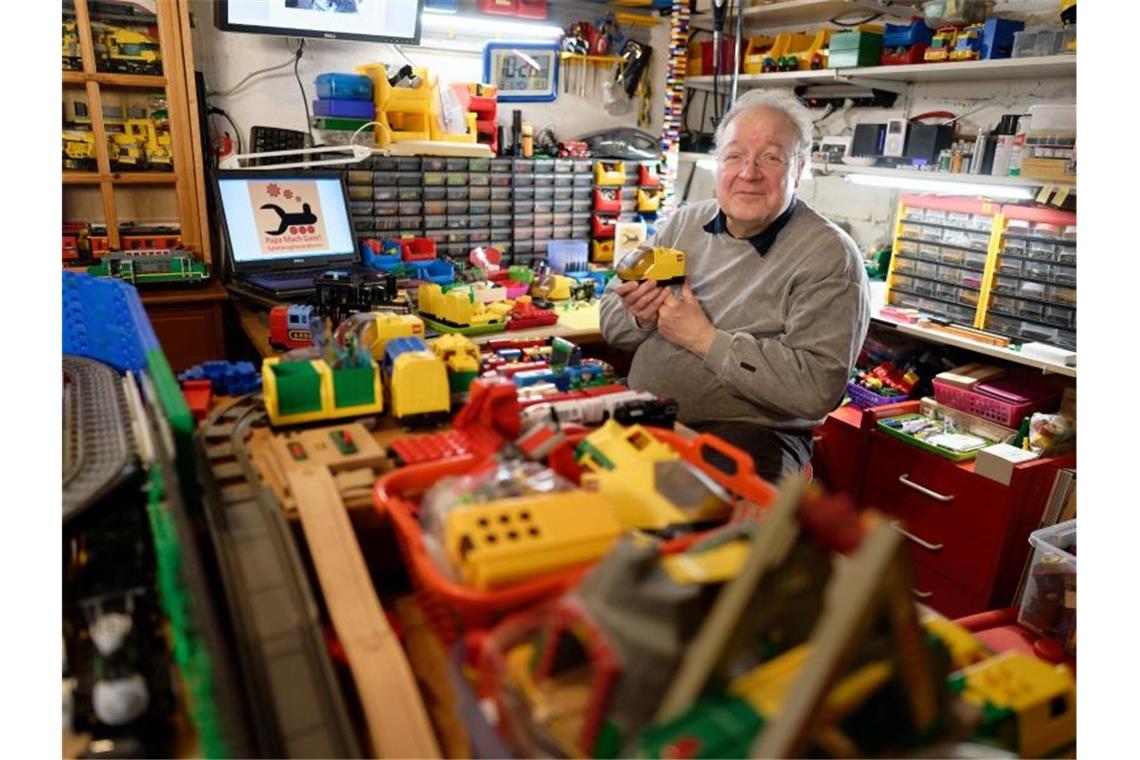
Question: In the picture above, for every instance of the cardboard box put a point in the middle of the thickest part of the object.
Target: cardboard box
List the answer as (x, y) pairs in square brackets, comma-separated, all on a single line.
[(997, 462), (968, 374)]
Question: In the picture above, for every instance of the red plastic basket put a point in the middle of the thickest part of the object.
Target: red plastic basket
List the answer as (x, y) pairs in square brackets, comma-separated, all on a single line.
[(454, 609), (865, 399), (1002, 412)]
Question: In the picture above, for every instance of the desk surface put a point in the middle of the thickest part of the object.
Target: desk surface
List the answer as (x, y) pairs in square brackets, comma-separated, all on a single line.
[(255, 324)]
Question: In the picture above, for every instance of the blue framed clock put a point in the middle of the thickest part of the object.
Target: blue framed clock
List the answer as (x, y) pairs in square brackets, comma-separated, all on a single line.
[(523, 72)]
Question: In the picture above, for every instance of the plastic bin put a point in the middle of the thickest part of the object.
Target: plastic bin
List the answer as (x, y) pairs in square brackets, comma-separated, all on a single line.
[(1049, 600), (989, 406)]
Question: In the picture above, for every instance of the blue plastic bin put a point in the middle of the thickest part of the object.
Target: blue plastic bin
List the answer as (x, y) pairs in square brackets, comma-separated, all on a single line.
[(344, 87)]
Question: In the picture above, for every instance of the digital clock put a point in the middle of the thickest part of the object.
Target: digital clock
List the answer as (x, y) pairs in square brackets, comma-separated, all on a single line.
[(522, 71)]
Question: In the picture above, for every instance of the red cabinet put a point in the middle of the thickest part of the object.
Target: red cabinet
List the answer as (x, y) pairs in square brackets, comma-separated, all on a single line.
[(967, 535)]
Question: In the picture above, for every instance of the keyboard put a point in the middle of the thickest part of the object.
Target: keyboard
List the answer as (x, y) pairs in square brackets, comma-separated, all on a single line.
[(266, 139)]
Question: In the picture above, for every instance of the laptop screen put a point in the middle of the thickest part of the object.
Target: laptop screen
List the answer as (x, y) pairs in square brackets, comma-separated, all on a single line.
[(281, 219)]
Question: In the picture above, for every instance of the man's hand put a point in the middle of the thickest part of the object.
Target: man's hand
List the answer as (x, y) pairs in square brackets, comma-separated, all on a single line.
[(683, 322), (642, 300)]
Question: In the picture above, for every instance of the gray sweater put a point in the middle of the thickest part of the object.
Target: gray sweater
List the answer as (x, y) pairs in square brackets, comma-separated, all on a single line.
[(789, 324)]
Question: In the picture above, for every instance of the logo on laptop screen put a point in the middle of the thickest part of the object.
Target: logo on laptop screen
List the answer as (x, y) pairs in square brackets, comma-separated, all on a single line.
[(288, 216)]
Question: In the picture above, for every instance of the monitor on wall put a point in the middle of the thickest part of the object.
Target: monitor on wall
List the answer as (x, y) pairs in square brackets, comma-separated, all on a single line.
[(395, 21)]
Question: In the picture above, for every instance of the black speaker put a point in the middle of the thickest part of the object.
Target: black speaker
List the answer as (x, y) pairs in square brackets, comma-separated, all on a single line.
[(868, 140), (925, 142)]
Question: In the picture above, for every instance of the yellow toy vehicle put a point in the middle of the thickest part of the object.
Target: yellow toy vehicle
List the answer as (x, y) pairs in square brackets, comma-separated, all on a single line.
[(552, 287), (416, 380), (648, 483), (662, 265), (128, 51), (78, 149), (458, 310), (461, 357)]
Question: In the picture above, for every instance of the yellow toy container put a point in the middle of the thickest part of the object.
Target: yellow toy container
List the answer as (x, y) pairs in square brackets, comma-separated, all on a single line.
[(469, 136), (648, 201), (695, 64), (609, 173), (754, 54), (402, 113), (792, 43), (603, 251), (298, 392), (500, 542)]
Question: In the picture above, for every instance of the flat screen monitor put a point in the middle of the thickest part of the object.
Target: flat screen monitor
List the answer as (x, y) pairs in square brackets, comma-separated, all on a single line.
[(292, 218), (395, 21)]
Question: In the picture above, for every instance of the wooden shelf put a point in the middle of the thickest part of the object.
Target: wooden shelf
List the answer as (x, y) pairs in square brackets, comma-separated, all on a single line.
[(1043, 67), (114, 80), (119, 178)]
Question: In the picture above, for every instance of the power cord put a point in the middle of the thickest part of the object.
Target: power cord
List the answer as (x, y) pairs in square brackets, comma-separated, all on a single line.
[(215, 111), (304, 97)]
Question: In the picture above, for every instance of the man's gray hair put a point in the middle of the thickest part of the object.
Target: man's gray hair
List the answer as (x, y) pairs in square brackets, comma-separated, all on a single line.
[(782, 102)]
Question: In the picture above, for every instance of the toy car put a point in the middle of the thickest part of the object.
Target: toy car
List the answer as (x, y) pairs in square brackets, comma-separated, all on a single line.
[(663, 265)]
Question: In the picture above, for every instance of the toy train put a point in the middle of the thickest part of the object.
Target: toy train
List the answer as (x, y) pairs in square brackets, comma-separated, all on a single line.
[(84, 242), (663, 265), (137, 144), (145, 266)]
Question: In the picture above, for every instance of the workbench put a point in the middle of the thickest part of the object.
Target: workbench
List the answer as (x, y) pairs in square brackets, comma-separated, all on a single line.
[(579, 328)]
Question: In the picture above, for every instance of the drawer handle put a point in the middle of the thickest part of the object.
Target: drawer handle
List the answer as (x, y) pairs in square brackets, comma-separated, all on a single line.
[(922, 594), (816, 438), (911, 537), (923, 489)]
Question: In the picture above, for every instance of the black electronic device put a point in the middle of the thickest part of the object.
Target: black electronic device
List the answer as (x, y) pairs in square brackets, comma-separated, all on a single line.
[(868, 140), (926, 141), (394, 21), (269, 139), (285, 227)]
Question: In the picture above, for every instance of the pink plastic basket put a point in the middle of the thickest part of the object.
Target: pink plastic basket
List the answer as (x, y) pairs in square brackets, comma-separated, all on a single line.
[(1001, 412)]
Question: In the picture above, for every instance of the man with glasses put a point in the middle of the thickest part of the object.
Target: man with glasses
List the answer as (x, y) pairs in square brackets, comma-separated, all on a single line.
[(757, 344)]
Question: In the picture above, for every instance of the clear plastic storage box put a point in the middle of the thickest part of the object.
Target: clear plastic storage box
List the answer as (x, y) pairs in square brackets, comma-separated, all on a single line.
[(1049, 600)]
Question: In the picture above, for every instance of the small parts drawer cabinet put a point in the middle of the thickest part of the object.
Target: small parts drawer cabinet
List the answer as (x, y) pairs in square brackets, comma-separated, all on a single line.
[(966, 533)]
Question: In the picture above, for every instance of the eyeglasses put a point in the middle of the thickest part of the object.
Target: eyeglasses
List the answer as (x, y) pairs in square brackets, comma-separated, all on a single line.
[(769, 161)]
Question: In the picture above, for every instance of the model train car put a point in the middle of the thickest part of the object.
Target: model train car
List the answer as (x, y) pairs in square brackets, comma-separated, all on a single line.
[(146, 266), (662, 265), (341, 293)]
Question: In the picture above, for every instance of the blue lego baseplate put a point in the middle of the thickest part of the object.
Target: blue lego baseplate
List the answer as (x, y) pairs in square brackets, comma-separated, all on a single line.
[(105, 320)]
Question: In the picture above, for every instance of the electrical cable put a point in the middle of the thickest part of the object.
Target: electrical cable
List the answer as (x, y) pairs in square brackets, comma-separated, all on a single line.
[(239, 85), (849, 24), (215, 111), (304, 98)]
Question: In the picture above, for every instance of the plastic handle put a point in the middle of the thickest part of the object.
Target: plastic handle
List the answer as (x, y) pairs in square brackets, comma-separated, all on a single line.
[(922, 594), (911, 537), (924, 490), (816, 438)]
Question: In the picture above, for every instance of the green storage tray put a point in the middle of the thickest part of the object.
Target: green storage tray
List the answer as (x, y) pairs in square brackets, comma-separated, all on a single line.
[(957, 456), (480, 330)]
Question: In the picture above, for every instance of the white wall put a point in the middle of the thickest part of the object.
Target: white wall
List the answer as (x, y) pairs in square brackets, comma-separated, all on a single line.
[(868, 212), (275, 100)]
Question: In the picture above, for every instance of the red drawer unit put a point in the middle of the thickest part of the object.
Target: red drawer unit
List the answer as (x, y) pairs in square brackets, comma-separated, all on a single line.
[(966, 533), (607, 200), (604, 226), (839, 452)]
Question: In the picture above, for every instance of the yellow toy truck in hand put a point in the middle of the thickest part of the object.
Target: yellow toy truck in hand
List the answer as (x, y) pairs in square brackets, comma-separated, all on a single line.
[(663, 265)]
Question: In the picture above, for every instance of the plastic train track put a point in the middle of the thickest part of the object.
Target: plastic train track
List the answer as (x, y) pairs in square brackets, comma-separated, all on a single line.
[(98, 445), (296, 699)]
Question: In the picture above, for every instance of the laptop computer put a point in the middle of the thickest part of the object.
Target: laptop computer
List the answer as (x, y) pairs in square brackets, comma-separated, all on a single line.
[(283, 229)]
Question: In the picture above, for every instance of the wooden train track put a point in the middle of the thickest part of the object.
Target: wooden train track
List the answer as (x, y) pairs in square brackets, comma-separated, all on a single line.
[(393, 709), (298, 709)]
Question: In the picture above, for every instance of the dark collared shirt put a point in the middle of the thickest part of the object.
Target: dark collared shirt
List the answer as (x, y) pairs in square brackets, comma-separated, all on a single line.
[(762, 240)]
